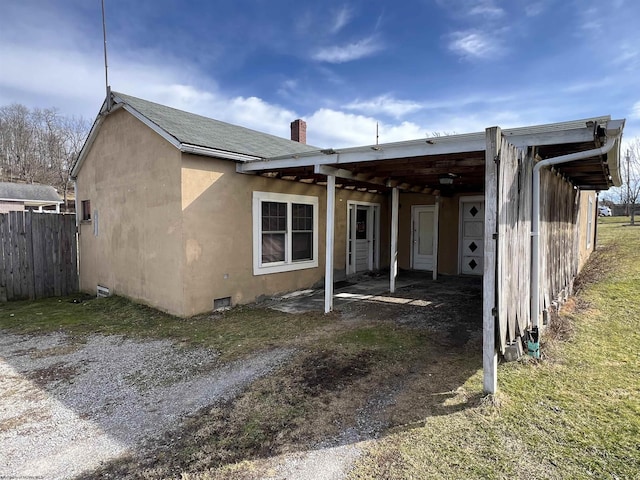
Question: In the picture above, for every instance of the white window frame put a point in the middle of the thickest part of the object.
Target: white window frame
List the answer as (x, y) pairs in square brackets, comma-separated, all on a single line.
[(287, 265)]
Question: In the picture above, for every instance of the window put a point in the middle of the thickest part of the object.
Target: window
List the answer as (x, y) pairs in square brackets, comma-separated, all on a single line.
[(285, 232), (86, 210)]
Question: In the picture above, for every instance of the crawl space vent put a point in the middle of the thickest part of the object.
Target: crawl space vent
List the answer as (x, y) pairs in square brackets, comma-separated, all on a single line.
[(221, 303), (102, 292)]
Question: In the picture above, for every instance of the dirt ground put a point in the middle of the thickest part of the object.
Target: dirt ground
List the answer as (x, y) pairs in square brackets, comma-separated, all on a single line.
[(111, 407)]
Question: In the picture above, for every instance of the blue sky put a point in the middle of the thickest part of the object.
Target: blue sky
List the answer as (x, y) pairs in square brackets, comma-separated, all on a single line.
[(415, 67)]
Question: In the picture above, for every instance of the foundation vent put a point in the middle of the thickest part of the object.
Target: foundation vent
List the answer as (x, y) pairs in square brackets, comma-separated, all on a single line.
[(221, 303), (102, 292)]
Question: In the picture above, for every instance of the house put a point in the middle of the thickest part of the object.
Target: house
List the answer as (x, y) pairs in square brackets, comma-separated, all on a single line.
[(187, 213), (23, 196)]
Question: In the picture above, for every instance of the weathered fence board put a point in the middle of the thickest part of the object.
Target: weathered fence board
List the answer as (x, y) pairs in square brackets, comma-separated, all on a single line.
[(514, 242), (38, 255), (559, 235)]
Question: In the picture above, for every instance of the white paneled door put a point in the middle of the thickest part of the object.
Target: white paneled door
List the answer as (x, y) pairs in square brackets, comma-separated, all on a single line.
[(423, 235), (471, 235)]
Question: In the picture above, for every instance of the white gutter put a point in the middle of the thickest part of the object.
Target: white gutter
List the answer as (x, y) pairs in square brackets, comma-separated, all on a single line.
[(535, 214), (214, 152)]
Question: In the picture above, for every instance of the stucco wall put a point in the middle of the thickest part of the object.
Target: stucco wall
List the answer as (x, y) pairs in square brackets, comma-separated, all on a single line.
[(218, 239), (132, 178), (586, 243)]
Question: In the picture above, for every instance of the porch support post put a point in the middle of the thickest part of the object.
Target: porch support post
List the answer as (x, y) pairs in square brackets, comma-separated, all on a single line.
[(436, 234), (393, 264), (328, 265), (489, 296)]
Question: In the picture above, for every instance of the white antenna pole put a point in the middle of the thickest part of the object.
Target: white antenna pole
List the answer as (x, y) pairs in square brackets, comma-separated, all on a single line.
[(106, 67), (377, 136)]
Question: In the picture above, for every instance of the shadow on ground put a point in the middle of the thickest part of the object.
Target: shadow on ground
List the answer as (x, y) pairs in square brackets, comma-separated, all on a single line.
[(387, 363)]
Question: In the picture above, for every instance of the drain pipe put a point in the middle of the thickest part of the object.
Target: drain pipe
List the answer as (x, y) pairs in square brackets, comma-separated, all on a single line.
[(535, 220)]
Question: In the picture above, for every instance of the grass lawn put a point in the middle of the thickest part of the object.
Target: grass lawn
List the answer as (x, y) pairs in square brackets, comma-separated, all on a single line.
[(244, 330), (575, 414)]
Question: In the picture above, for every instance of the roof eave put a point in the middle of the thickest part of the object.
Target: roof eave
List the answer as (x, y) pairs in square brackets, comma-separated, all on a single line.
[(614, 131), (551, 134)]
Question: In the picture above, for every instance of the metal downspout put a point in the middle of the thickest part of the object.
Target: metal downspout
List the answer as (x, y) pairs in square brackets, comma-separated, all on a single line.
[(535, 217)]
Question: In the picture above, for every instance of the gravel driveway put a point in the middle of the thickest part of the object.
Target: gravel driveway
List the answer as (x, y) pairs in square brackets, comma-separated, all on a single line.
[(66, 407)]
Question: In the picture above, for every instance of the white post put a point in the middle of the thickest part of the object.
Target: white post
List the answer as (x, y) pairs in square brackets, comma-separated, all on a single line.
[(393, 264), (436, 234), (489, 306), (328, 266)]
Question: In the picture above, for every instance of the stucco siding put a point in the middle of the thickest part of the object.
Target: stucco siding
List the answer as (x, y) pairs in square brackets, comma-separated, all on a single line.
[(587, 225), (131, 176), (218, 233)]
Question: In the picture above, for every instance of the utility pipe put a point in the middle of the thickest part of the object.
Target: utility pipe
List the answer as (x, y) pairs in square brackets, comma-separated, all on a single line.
[(535, 220)]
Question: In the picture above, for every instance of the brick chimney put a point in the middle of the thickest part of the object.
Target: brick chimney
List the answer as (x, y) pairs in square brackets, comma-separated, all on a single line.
[(299, 131)]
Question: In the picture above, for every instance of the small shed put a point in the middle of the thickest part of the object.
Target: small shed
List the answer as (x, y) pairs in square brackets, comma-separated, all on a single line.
[(23, 196)]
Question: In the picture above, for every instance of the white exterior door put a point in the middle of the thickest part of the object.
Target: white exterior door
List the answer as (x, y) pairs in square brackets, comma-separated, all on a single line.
[(362, 238), (423, 236), (471, 235)]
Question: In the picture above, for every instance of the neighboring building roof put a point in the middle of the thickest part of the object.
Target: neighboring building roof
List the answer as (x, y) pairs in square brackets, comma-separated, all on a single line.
[(23, 192)]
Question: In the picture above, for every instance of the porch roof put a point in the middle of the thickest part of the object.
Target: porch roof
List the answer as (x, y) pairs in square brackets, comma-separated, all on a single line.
[(419, 165)]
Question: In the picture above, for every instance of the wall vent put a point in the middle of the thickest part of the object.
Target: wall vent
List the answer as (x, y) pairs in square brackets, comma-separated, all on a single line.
[(222, 303), (102, 292)]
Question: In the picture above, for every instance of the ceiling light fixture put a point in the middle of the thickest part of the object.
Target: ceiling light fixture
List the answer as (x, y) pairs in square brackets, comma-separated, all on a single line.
[(447, 178)]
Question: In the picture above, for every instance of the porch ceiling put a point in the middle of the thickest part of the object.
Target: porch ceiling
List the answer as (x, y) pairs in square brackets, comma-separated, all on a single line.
[(415, 174), (589, 174)]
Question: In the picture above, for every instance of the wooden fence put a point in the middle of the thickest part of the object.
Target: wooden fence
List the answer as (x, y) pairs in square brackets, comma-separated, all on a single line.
[(559, 241), (514, 242), (559, 238), (38, 255)]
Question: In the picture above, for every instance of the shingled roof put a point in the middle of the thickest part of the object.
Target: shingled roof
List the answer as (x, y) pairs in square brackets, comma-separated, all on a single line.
[(192, 129), (28, 192)]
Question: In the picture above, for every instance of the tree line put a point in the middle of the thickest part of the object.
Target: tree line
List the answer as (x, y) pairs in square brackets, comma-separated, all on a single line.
[(40, 146)]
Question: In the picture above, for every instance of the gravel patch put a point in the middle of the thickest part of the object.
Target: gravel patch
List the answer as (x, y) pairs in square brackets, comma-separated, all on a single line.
[(68, 407)]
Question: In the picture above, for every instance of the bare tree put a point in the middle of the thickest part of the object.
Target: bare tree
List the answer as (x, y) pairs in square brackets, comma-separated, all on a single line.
[(73, 136), (628, 193), (39, 145), (631, 176)]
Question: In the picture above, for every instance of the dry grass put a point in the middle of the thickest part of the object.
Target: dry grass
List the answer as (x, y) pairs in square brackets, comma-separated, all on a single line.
[(575, 414)]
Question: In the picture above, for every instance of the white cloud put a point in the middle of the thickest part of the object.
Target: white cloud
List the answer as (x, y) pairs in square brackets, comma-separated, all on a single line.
[(332, 128), (471, 8), (486, 8), (385, 104), (341, 19), (347, 53), (474, 44), (635, 111), (534, 9)]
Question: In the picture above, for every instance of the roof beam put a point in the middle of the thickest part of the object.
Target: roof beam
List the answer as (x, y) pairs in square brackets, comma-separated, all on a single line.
[(454, 144), (356, 177), (420, 148)]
